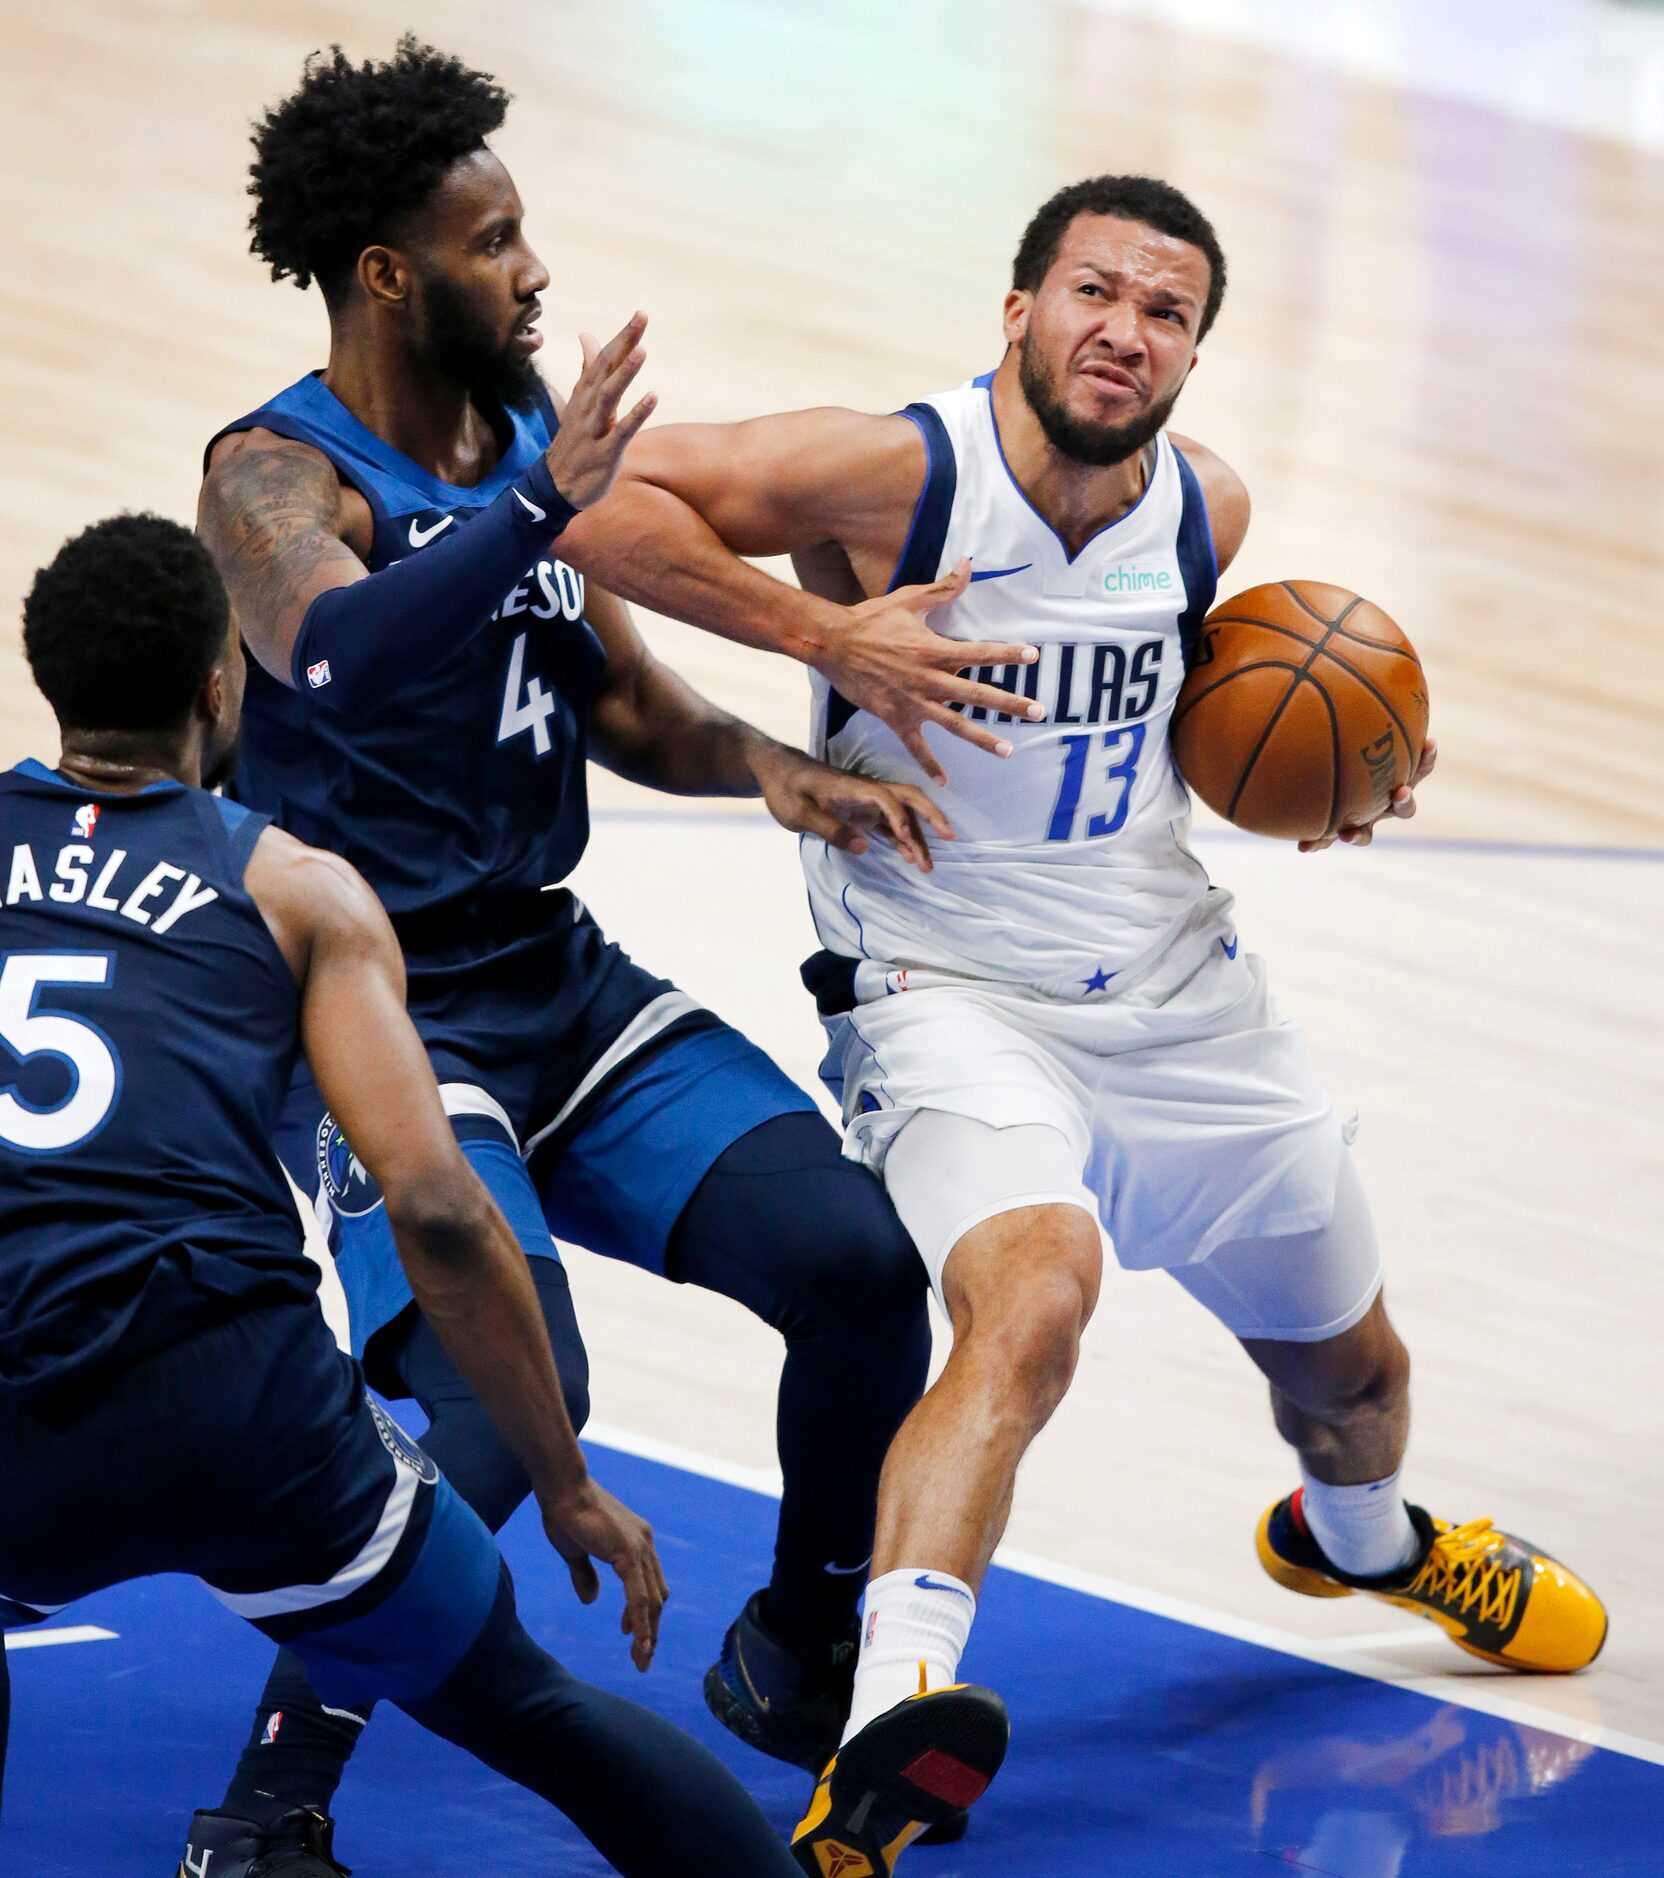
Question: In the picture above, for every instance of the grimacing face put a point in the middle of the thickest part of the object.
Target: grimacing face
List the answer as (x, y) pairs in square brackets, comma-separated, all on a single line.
[(476, 285), (1108, 339)]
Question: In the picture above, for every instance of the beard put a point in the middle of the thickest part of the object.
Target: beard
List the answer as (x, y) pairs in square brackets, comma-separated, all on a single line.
[(456, 344), (1077, 437)]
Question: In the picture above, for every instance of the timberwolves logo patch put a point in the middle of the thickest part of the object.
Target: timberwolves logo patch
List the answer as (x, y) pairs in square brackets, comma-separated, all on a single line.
[(400, 1446), (345, 1178)]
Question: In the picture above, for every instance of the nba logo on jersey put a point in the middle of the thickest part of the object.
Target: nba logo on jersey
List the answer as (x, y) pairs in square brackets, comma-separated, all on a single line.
[(86, 820), (317, 676), (274, 1721)]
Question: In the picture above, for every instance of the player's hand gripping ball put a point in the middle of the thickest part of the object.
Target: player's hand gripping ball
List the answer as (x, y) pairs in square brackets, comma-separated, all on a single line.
[(1305, 709)]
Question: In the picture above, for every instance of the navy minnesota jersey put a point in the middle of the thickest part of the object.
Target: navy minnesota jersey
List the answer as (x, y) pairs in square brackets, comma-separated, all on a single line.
[(148, 1026), (468, 776)]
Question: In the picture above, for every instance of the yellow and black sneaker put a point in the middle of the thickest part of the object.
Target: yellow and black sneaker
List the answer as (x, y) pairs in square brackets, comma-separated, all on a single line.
[(919, 1764), (1498, 1597)]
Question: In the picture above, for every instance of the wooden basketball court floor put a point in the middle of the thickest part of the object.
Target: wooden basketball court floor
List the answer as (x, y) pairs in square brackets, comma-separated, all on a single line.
[(1440, 369)]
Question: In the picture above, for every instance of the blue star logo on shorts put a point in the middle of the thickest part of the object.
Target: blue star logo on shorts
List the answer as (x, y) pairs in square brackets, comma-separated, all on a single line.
[(1098, 980)]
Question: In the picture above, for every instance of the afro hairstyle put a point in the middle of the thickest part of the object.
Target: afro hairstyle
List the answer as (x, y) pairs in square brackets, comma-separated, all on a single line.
[(343, 161)]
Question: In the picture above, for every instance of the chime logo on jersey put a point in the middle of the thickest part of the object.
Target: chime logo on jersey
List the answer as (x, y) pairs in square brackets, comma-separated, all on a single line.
[(352, 1190), (1142, 579), (86, 820)]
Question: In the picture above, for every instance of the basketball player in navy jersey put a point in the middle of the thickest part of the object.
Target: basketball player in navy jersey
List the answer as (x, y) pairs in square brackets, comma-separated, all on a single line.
[(170, 1397), (428, 676), (1056, 1032)]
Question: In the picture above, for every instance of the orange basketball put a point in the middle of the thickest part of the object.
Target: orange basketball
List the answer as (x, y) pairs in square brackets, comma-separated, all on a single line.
[(1305, 708)]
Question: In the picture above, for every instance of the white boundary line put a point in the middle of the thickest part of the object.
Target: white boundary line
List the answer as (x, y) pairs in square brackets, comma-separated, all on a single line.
[(1485, 848), (66, 1633), (1350, 1655)]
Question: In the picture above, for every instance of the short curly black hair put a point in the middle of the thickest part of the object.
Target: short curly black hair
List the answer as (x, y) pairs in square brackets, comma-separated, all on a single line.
[(341, 163), (124, 624), (1145, 199)]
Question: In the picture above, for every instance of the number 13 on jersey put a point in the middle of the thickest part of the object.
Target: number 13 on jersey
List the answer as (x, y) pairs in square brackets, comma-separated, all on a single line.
[(1106, 788)]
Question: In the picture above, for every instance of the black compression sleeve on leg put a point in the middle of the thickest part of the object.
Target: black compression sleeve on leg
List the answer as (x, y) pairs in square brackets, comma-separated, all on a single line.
[(810, 1242), (645, 1795)]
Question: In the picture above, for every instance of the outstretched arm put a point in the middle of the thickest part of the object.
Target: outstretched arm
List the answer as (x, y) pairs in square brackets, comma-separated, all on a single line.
[(650, 725), (691, 498), (289, 541), (466, 1269)]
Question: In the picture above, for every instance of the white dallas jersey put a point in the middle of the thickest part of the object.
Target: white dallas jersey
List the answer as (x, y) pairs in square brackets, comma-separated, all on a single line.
[(1071, 864)]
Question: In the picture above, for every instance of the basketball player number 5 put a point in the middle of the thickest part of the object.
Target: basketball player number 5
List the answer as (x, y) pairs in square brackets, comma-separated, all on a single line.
[(1106, 808), (95, 1074)]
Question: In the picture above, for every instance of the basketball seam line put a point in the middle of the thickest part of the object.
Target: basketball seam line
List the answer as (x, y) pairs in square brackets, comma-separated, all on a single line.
[(1302, 602), (1301, 639), (1377, 693), (1238, 671), (1377, 645), (1295, 683)]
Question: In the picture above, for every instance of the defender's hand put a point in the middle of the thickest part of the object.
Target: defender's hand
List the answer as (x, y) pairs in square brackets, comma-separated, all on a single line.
[(886, 660), (584, 1523), (592, 439), (1401, 803), (811, 798)]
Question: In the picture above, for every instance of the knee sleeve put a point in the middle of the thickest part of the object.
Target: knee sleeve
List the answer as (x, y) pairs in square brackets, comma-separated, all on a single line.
[(1302, 1287), (947, 1173)]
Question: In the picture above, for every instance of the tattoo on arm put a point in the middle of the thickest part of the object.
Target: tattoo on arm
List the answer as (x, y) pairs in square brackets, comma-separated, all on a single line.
[(270, 517)]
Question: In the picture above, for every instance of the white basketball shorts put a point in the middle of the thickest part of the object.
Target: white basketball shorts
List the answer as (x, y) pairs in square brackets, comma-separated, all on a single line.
[(1181, 1110)]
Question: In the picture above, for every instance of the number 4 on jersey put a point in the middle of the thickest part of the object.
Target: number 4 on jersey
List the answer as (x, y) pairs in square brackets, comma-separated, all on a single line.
[(534, 713)]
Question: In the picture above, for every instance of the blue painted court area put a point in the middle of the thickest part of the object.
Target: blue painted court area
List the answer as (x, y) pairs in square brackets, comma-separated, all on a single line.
[(1143, 1748)]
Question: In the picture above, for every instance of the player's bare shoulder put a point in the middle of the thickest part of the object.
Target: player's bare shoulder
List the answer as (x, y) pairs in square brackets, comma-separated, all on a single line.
[(882, 465), (281, 527), (309, 896), (1225, 493), (257, 479)]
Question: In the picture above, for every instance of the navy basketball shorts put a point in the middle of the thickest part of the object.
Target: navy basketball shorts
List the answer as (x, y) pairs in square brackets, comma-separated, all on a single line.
[(249, 1456), (590, 1096)]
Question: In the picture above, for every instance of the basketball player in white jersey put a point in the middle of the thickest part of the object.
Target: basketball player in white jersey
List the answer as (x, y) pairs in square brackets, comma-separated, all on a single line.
[(1055, 1034)]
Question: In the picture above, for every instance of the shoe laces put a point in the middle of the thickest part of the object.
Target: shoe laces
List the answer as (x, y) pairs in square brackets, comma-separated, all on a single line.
[(1464, 1572)]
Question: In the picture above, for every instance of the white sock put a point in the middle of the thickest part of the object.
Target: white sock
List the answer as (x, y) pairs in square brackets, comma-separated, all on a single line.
[(1365, 1530), (918, 1623)]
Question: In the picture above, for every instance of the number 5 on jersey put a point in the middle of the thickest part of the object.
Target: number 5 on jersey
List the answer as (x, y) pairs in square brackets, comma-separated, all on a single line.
[(1108, 790), (95, 1073)]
